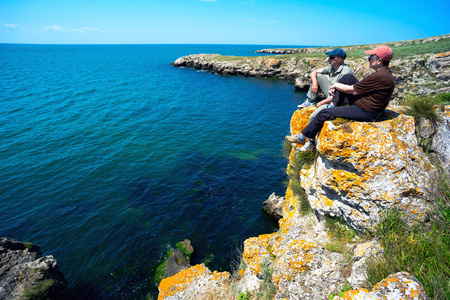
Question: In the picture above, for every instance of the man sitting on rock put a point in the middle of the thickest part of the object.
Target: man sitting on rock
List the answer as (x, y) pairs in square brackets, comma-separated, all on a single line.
[(368, 98), (322, 79)]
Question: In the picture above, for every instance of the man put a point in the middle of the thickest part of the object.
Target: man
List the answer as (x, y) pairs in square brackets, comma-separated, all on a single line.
[(368, 98), (324, 78)]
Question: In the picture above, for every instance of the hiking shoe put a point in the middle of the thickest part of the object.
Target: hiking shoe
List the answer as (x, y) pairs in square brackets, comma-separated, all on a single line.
[(294, 139), (308, 146), (306, 104)]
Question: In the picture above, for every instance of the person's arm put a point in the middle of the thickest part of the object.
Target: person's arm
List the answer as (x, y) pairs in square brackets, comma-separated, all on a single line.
[(325, 101), (315, 84), (348, 89)]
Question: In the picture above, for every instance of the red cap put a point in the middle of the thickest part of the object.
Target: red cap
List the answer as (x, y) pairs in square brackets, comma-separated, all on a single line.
[(385, 52)]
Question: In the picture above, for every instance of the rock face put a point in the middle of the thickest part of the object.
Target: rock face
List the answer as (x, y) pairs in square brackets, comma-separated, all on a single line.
[(419, 74), (24, 274), (397, 286), (441, 140), (364, 168), (360, 170)]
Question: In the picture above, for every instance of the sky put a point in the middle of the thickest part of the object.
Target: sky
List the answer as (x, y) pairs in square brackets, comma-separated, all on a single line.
[(259, 22)]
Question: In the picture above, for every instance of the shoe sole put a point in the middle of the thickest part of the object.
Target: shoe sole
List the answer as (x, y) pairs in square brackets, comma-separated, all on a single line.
[(294, 140)]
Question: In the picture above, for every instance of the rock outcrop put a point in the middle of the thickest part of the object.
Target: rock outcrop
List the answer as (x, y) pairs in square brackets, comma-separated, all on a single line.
[(418, 74), (441, 140), (365, 168), (401, 285), (176, 260), (25, 274), (274, 206), (360, 170)]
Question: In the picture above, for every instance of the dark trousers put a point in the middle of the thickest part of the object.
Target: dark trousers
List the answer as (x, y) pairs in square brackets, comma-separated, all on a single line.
[(339, 97), (351, 112)]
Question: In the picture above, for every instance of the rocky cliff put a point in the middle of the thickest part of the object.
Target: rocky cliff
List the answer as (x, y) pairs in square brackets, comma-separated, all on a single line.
[(25, 274), (425, 73), (360, 170)]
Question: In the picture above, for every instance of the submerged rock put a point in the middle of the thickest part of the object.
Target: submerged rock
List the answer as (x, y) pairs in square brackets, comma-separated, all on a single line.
[(176, 260), (25, 274)]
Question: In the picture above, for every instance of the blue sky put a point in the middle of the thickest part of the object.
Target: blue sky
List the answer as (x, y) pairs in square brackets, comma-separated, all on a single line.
[(263, 22)]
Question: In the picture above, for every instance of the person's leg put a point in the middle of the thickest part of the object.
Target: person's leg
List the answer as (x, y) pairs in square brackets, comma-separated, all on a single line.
[(351, 112), (324, 86), (339, 97), (316, 112)]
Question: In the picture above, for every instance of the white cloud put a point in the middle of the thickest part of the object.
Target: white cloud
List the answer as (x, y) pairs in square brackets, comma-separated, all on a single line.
[(79, 30), (14, 26)]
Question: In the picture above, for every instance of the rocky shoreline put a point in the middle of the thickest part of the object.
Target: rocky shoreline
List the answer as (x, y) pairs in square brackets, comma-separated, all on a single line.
[(26, 274), (416, 74)]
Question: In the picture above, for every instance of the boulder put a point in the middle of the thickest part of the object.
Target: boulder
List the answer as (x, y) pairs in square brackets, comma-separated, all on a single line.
[(400, 285), (25, 274), (363, 252), (274, 206), (363, 168), (195, 283)]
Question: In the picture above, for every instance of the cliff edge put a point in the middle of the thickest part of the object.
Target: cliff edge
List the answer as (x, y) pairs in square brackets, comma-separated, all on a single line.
[(360, 171)]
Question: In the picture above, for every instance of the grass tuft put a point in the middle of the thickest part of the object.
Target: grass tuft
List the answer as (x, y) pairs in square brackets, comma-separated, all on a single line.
[(268, 288), (341, 236), (422, 250)]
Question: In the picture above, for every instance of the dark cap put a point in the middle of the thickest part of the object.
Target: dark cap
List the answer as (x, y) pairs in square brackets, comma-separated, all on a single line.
[(338, 52)]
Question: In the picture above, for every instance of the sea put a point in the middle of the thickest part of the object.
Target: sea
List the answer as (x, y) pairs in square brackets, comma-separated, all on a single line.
[(109, 156)]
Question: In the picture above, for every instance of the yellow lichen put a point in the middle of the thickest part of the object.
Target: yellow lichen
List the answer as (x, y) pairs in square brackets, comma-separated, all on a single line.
[(180, 281), (255, 250)]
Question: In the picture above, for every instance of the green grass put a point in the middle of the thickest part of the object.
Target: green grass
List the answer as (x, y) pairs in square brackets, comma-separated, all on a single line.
[(268, 289), (425, 106), (299, 161), (399, 51), (422, 250), (341, 235), (42, 291)]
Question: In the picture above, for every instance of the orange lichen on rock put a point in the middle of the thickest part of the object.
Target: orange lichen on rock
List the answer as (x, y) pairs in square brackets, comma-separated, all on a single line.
[(192, 283), (444, 54), (293, 257), (301, 255), (348, 182), (182, 280), (300, 119), (290, 209), (256, 250), (401, 285)]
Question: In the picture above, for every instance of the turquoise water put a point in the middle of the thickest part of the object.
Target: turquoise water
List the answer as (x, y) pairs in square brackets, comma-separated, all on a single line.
[(110, 156)]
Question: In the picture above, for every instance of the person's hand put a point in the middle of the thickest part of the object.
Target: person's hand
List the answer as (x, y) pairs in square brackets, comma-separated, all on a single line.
[(320, 103), (315, 88), (332, 90)]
